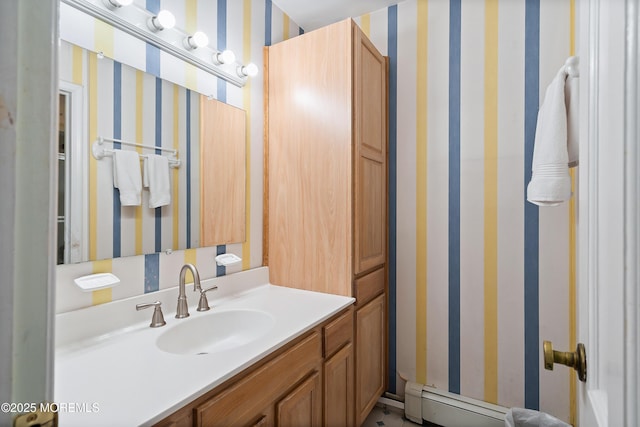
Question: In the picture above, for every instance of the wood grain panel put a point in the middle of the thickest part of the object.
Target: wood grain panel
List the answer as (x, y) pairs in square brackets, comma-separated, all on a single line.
[(370, 95), (369, 286), (371, 356), (371, 211), (310, 160), (338, 333), (371, 152), (338, 389), (237, 405), (222, 166), (303, 406)]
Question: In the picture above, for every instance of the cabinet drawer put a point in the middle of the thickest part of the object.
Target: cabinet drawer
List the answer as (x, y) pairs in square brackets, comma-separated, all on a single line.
[(369, 286), (241, 403), (338, 333)]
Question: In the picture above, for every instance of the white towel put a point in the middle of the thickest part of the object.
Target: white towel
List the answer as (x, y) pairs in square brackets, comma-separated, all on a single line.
[(156, 178), (126, 177), (550, 182)]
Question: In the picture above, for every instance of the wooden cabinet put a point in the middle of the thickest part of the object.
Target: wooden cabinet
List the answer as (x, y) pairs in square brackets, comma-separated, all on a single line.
[(370, 345), (288, 388), (303, 406), (326, 183)]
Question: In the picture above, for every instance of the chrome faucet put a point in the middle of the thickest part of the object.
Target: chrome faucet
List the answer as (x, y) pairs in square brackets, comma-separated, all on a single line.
[(183, 310)]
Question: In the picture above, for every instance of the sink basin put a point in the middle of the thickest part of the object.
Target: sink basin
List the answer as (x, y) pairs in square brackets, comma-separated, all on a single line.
[(215, 331)]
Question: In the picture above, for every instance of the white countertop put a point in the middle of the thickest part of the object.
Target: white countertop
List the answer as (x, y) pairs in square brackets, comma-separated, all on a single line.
[(120, 378)]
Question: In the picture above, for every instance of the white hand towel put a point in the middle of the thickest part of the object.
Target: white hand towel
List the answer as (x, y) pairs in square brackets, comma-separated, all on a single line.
[(550, 182), (126, 177), (156, 178)]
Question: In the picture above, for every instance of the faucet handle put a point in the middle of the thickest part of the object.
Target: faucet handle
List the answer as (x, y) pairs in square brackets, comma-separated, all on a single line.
[(157, 319), (203, 304)]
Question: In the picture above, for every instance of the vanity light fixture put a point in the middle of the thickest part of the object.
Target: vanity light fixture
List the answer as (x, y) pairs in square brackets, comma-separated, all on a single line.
[(224, 57), (160, 31), (249, 70), (198, 39), (114, 4), (164, 19)]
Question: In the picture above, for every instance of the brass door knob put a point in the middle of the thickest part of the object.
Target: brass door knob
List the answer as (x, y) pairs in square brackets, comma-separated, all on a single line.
[(576, 359)]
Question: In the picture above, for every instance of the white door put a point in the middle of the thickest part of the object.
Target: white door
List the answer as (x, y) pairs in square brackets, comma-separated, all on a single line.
[(28, 96), (608, 298)]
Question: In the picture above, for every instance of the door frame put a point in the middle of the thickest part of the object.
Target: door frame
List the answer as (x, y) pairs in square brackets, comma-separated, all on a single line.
[(28, 194), (609, 188)]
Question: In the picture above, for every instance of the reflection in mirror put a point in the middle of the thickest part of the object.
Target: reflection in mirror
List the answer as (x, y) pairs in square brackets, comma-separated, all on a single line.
[(131, 105), (71, 220)]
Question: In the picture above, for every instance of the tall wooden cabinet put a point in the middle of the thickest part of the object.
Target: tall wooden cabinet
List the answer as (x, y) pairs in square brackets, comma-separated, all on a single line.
[(326, 182)]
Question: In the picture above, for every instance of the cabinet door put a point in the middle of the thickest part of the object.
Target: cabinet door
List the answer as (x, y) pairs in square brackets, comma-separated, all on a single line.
[(370, 356), (338, 389), (303, 406), (370, 127)]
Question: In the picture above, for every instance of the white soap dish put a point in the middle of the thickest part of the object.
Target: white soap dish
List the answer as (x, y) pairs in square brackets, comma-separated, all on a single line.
[(93, 282), (227, 259)]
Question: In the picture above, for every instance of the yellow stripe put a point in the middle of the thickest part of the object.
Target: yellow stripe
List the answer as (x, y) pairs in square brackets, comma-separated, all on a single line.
[(491, 203), (103, 34), (365, 24), (139, 137), (421, 195), (190, 257), (176, 174), (77, 53), (191, 26), (572, 245), (246, 100), (103, 295), (93, 163), (285, 26)]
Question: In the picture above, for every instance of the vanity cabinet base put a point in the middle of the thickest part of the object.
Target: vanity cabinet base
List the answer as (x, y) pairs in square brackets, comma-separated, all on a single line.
[(287, 388)]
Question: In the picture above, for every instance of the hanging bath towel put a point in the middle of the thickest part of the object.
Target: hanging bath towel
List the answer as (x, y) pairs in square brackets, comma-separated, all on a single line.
[(156, 177), (126, 177), (556, 136)]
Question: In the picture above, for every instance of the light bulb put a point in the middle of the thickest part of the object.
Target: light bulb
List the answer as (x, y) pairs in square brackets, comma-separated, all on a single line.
[(164, 19), (249, 70), (198, 39), (225, 57)]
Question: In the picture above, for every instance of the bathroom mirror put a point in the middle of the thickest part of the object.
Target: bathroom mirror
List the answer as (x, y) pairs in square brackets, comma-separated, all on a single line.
[(101, 97)]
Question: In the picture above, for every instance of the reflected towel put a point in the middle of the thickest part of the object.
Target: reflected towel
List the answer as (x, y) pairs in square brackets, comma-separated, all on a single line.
[(156, 178), (556, 135), (126, 177)]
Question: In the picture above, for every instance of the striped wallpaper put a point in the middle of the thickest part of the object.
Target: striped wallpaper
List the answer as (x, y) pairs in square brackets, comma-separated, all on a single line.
[(152, 88), (478, 276)]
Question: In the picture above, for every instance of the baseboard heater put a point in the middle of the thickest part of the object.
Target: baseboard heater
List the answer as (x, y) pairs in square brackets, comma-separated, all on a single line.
[(449, 409)]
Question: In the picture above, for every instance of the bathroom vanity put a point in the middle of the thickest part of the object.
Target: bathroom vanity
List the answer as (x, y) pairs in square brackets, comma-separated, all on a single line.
[(262, 355)]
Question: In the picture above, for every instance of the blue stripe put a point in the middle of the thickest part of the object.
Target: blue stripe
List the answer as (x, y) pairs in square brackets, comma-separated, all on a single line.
[(454, 195), (153, 53), (188, 162), (153, 6), (151, 273), (117, 134), (222, 44), (531, 220), (153, 60), (268, 9), (221, 270), (158, 211), (392, 43)]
